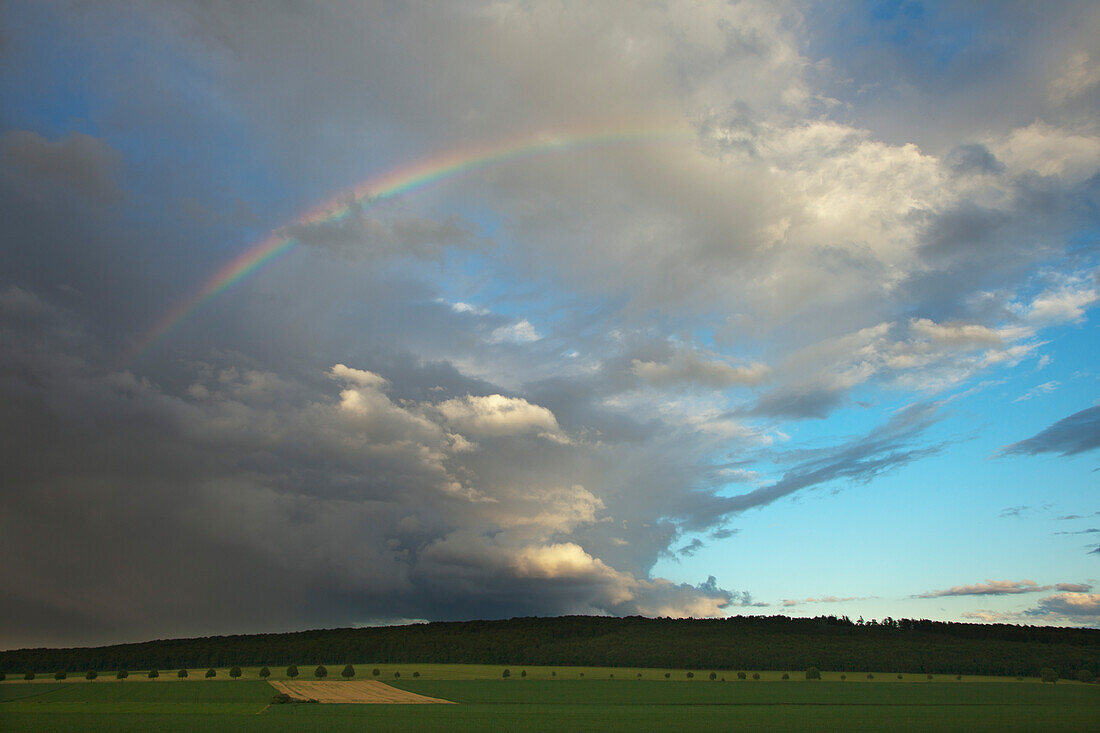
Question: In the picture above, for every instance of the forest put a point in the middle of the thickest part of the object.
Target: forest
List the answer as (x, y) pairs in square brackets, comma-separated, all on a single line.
[(739, 642)]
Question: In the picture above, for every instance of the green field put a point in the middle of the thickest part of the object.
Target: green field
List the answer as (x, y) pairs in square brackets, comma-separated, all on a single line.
[(564, 701)]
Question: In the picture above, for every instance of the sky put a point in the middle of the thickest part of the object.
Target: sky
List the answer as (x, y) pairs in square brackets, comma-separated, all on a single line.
[(341, 314)]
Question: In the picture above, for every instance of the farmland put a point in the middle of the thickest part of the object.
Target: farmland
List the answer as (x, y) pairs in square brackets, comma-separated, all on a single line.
[(556, 698)]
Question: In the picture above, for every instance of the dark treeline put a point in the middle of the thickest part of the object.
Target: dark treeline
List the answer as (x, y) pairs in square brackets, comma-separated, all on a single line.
[(742, 642)]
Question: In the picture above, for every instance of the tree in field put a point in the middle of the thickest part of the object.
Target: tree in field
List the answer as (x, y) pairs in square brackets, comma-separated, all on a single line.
[(959, 677), (639, 675), (348, 672), (785, 676), (1084, 675), (153, 674), (843, 677), (265, 672), (691, 675), (91, 674), (416, 674), (397, 675), (292, 671), (756, 675), (182, 674), (28, 676), (899, 676), (320, 672), (741, 675), (713, 676), (929, 678), (813, 673), (211, 673), (523, 673), (122, 674), (667, 675), (60, 675), (1048, 675), (375, 672), (2, 675), (870, 676), (506, 673), (235, 672)]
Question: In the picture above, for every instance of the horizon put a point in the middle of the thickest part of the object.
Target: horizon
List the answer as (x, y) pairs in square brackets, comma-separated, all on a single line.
[(323, 316), (861, 622)]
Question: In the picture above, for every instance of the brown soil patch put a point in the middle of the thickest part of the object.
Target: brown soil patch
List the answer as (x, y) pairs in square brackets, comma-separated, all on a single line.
[(359, 691)]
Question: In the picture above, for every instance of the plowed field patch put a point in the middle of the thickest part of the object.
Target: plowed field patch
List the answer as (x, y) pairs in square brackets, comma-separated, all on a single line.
[(356, 691)]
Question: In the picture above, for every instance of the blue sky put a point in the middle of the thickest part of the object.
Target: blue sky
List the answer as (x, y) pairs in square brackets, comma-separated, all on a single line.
[(829, 349)]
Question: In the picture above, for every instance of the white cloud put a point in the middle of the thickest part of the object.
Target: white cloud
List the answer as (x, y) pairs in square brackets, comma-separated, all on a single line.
[(520, 332), (460, 307), (1079, 75), (359, 377), (1041, 389), (989, 588), (1072, 154), (686, 367), (497, 416), (1066, 303), (1081, 607)]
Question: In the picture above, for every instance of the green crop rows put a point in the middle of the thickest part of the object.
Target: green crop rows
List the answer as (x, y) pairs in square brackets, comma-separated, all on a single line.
[(563, 702)]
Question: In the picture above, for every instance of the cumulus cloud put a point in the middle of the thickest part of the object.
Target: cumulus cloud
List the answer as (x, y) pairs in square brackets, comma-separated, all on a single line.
[(1079, 607), (498, 416)]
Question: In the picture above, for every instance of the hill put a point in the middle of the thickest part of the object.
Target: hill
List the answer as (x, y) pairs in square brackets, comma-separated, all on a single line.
[(741, 642)]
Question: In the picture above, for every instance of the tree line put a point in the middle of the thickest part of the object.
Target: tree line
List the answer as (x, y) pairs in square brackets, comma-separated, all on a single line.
[(740, 642)]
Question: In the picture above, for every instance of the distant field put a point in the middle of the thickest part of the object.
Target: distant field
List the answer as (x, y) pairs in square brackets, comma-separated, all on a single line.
[(563, 702)]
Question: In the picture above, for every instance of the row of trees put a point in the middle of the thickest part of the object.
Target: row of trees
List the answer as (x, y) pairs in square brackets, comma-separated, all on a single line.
[(320, 672), (751, 642), (348, 672)]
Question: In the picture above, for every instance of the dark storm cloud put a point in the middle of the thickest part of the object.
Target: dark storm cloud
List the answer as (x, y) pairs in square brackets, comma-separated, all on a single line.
[(801, 403), (691, 548), (974, 158), (235, 478), (1069, 436), (360, 234), (43, 169), (334, 500)]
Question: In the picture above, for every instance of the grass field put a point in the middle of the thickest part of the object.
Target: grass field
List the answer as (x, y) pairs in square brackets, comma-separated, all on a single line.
[(560, 702)]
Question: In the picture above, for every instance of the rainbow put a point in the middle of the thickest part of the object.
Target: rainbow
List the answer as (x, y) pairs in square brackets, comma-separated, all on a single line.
[(395, 182)]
